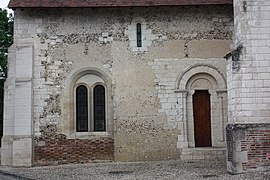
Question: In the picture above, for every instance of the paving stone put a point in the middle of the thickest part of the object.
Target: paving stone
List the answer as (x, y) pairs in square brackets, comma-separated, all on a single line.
[(165, 170)]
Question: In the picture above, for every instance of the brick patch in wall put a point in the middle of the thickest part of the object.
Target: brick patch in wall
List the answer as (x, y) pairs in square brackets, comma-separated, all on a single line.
[(257, 145), (64, 151), (248, 147)]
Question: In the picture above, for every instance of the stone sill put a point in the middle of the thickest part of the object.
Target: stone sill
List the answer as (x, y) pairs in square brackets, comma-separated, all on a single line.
[(205, 149), (208, 148), (88, 135)]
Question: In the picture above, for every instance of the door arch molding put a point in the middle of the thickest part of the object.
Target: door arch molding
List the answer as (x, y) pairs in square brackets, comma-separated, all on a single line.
[(183, 77), (194, 78)]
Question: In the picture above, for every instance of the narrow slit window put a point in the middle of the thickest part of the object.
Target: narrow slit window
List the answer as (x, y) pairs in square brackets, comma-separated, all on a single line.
[(81, 109), (99, 108), (139, 35)]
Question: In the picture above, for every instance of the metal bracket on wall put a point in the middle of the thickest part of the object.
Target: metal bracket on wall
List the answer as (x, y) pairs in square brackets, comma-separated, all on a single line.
[(235, 55)]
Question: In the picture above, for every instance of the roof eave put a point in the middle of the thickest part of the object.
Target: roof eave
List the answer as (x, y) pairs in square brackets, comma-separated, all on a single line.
[(83, 4)]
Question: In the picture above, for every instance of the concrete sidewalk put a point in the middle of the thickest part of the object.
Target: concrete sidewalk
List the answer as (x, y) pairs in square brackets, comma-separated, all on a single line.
[(163, 170)]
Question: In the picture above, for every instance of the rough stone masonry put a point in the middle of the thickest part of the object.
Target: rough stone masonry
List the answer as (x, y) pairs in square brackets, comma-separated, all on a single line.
[(132, 82)]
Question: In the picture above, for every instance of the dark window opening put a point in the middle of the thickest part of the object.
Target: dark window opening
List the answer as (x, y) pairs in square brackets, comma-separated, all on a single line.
[(99, 108), (81, 109), (139, 35)]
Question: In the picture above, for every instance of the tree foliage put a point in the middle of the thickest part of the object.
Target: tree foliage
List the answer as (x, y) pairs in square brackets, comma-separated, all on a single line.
[(6, 37)]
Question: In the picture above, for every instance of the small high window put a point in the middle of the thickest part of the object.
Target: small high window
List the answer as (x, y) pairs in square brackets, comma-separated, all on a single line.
[(139, 35)]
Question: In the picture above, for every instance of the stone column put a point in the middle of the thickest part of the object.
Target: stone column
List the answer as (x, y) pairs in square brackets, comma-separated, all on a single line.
[(222, 116), (182, 125), (190, 119)]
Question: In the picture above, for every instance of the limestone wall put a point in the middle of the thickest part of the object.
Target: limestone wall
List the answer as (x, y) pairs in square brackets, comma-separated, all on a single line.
[(248, 77), (145, 115), (248, 88)]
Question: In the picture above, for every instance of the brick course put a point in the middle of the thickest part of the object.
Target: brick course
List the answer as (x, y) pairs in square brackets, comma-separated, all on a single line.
[(257, 145), (63, 151), (248, 146), (110, 3)]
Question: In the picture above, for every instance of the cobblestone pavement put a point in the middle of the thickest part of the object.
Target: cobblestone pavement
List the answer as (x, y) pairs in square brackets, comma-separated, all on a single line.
[(165, 170)]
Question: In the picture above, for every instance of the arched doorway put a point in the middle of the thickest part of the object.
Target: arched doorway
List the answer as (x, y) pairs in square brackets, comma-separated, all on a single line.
[(203, 92), (201, 118)]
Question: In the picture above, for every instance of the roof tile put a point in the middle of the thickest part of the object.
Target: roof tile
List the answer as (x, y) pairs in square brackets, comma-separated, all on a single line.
[(108, 3)]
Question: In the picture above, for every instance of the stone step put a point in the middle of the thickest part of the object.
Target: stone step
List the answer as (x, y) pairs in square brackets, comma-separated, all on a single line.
[(203, 153)]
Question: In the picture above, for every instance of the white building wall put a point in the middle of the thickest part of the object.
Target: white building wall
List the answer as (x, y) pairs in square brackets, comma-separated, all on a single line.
[(249, 85), (17, 141)]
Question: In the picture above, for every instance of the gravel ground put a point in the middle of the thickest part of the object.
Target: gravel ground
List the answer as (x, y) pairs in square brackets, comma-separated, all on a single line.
[(165, 170)]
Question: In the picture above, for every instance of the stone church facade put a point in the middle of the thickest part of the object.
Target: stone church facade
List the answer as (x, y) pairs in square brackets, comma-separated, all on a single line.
[(127, 81)]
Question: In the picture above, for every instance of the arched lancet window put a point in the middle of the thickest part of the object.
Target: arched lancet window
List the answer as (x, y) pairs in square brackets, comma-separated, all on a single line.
[(99, 108), (90, 104), (139, 35), (81, 109), (78, 114)]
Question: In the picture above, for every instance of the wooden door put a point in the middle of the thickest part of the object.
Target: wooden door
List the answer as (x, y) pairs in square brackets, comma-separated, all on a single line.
[(202, 118)]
